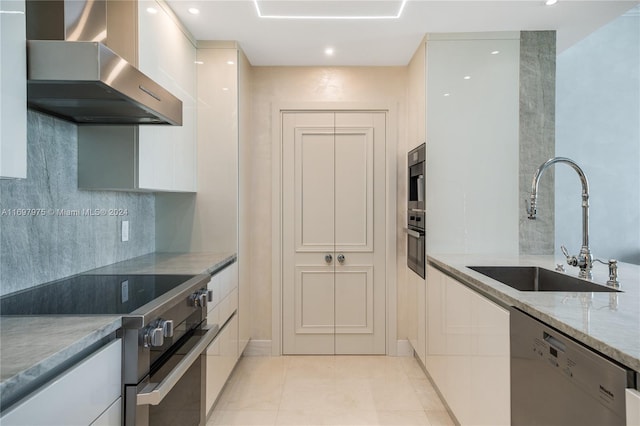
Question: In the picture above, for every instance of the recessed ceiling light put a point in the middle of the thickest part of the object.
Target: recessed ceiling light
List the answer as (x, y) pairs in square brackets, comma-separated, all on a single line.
[(495, 52), (152, 10), (329, 51), (198, 62), (194, 11), (446, 95), (550, 2), (225, 89), (230, 62), (467, 77)]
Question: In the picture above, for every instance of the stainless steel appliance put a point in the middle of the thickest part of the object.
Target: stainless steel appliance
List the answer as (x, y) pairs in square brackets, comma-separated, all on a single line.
[(416, 213), (81, 56), (416, 173), (416, 242), (164, 336), (557, 381)]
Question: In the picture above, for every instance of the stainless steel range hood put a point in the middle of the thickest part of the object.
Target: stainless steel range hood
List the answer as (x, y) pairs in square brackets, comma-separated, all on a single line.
[(75, 73)]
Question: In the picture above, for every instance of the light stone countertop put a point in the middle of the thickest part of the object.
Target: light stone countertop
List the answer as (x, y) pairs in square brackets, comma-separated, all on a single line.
[(35, 349), (606, 322), (168, 263)]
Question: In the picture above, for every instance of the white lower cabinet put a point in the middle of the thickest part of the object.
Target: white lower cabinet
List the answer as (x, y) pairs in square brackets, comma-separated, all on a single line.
[(222, 356), (223, 353), (417, 313), (83, 395), (633, 407), (467, 351)]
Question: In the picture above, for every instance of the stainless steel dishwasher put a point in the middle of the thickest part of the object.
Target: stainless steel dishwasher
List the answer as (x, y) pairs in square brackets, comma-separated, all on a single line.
[(557, 381)]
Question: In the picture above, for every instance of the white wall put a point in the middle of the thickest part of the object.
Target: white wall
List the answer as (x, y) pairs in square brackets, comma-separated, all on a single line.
[(598, 126), (472, 143)]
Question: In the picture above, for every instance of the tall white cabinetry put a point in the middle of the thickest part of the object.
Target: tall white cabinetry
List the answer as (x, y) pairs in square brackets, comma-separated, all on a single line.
[(467, 351), (166, 54), (13, 90), (472, 138)]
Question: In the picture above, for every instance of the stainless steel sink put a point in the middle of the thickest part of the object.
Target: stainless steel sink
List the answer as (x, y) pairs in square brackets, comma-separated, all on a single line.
[(533, 278)]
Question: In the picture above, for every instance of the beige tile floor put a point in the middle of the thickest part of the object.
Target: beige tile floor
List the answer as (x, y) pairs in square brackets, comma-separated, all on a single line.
[(329, 390)]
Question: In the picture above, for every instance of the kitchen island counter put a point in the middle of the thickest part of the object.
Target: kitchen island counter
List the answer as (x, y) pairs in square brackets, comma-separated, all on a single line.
[(606, 322), (36, 349)]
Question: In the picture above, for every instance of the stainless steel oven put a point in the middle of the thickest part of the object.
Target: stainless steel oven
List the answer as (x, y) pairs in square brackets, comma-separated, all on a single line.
[(164, 332), (416, 242), (416, 195), (416, 175), (163, 365)]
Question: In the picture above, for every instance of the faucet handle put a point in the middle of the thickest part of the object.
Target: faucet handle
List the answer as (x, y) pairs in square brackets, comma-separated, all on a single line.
[(571, 260)]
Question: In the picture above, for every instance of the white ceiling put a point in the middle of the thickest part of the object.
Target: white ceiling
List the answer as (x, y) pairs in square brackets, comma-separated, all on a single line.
[(379, 42)]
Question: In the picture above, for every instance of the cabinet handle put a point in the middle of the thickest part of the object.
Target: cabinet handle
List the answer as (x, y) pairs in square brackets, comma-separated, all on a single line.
[(328, 258), (341, 258)]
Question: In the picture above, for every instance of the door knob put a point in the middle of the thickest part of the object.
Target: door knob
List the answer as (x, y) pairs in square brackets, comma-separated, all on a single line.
[(341, 258), (328, 258)]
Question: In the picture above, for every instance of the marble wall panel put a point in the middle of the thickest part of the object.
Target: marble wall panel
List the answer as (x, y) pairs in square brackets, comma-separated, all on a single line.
[(537, 137), (58, 237)]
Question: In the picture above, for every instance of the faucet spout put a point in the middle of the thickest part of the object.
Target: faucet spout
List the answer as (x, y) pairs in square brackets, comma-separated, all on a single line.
[(584, 259)]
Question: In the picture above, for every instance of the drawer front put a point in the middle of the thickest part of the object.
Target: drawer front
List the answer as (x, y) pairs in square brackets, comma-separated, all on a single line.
[(78, 397), (221, 357), (228, 306)]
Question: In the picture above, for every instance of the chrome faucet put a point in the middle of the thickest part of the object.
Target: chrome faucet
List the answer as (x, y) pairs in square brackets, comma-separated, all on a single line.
[(584, 260)]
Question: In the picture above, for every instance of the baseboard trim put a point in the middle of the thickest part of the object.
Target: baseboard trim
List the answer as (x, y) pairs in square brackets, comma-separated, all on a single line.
[(258, 348), (404, 348)]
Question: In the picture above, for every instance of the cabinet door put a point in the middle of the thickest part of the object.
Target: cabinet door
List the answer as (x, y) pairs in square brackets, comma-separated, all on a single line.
[(633, 407), (468, 351), (167, 154), (417, 314), (13, 90), (221, 356)]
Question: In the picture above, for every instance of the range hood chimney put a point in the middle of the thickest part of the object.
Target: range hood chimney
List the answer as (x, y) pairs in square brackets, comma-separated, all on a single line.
[(82, 57)]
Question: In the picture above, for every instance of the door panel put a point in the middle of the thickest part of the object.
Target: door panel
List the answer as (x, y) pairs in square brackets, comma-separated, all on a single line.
[(354, 299), (314, 177), (314, 305), (354, 189), (334, 204)]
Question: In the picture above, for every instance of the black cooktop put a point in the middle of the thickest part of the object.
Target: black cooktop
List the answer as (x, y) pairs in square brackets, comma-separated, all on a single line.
[(90, 295)]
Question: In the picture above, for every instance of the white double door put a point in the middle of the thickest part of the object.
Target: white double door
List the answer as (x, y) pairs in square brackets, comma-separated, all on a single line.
[(334, 207)]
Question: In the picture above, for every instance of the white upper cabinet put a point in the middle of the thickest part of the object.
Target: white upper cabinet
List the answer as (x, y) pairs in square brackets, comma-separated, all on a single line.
[(13, 90), (159, 158), (167, 154)]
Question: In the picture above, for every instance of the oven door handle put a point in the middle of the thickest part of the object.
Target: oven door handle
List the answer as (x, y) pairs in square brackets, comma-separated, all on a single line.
[(154, 393), (414, 234)]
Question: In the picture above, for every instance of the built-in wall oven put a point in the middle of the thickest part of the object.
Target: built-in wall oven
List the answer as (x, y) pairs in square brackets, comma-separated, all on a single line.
[(416, 242), (416, 174), (416, 256)]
